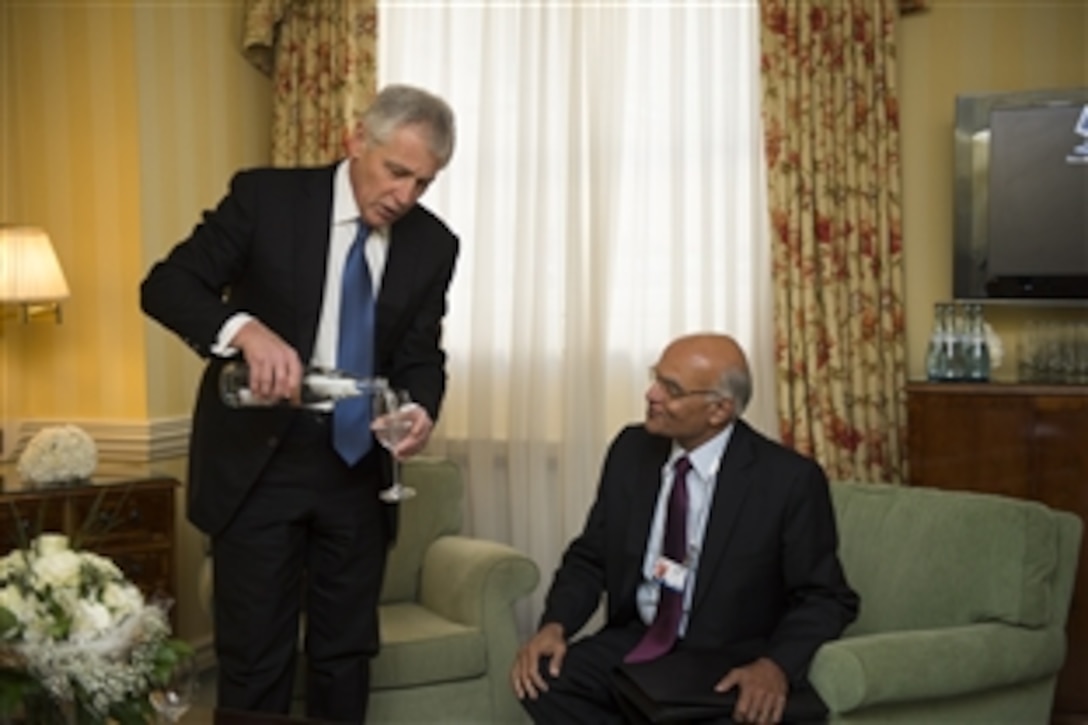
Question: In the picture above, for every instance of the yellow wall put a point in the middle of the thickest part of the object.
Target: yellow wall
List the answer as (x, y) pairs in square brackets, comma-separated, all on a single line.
[(121, 121), (70, 165), (969, 46)]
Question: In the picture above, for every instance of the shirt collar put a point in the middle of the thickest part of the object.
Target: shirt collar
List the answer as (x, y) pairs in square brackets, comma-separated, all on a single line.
[(707, 458), (345, 210)]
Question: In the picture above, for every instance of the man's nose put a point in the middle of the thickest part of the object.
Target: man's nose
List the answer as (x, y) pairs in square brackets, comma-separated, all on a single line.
[(407, 192)]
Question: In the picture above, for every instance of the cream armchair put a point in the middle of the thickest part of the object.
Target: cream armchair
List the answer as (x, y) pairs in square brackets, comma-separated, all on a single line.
[(447, 612)]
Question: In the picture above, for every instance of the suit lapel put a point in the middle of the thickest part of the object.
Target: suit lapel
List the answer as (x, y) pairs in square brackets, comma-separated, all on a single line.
[(405, 258), (732, 487), (310, 243), (643, 500)]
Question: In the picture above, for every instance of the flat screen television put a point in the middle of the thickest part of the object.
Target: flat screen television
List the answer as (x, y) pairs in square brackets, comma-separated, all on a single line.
[(1021, 196)]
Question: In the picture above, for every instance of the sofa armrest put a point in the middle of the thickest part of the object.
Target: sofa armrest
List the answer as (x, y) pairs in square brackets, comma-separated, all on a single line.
[(462, 577), (890, 667)]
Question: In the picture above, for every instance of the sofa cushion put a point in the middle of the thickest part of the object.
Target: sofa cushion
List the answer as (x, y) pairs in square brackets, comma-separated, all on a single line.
[(421, 648), (924, 558)]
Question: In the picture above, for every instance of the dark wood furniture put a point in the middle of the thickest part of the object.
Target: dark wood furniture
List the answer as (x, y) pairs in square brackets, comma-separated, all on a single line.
[(129, 520), (1025, 441)]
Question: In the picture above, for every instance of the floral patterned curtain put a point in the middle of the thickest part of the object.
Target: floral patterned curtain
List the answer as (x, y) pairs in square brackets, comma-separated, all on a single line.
[(321, 55), (832, 140)]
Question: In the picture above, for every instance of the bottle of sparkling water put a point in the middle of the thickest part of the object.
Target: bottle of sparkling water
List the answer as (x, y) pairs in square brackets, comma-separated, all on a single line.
[(977, 349), (954, 345), (937, 354), (318, 387)]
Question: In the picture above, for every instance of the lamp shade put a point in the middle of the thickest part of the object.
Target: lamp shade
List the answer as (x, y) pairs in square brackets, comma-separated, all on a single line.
[(29, 270)]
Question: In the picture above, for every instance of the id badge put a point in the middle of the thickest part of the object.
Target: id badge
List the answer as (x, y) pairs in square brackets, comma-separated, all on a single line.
[(670, 573)]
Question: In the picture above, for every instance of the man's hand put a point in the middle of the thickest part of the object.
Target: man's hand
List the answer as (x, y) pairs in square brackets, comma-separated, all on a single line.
[(763, 689), (275, 371), (525, 674), (418, 435)]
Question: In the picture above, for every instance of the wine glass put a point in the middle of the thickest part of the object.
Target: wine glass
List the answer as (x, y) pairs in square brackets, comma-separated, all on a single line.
[(391, 425), (173, 695)]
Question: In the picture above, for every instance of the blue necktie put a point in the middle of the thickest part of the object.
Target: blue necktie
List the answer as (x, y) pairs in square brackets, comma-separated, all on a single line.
[(663, 631), (351, 435)]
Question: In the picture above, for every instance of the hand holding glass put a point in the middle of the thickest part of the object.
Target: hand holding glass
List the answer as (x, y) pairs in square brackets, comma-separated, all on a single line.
[(391, 426), (173, 696)]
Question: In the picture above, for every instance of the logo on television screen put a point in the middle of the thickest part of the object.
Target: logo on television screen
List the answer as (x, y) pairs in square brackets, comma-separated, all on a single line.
[(1080, 151)]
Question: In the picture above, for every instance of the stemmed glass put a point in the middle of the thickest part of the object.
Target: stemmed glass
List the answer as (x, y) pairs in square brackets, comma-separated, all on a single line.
[(173, 696), (391, 425)]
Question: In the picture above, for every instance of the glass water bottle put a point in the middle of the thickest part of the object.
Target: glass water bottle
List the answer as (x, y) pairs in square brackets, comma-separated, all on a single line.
[(977, 348), (937, 354), (318, 386)]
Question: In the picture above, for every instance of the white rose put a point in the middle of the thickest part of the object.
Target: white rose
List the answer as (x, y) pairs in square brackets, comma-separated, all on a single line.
[(11, 564), (14, 601), (36, 623), (47, 544), (90, 619), (59, 570), (103, 565), (123, 598)]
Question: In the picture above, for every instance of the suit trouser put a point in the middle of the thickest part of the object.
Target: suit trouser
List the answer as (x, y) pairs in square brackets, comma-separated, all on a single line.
[(583, 692), (311, 533)]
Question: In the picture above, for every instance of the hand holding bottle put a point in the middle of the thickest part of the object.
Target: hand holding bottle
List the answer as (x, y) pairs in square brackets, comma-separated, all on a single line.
[(275, 370), (317, 387)]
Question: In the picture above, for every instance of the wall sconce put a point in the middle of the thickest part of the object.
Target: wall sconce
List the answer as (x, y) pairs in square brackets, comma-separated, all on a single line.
[(30, 275)]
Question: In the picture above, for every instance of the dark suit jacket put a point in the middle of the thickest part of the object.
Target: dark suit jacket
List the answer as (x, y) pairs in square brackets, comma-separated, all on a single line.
[(263, 250), (769, 579)]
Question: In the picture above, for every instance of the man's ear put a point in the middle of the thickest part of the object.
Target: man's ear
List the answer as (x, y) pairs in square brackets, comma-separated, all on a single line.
[(723, 409), (355, 140)]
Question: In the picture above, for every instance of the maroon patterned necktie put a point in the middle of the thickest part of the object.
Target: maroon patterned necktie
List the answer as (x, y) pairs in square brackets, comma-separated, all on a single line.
[(662, 633)]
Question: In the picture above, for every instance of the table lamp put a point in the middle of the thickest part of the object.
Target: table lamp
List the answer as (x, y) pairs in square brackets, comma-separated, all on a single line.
[(30, 275)]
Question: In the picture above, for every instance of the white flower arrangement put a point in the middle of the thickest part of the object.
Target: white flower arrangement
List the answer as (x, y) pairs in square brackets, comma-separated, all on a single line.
[(58, 454), (74, 629)]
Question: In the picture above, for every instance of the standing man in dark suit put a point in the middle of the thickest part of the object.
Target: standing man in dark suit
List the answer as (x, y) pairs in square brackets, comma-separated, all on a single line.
[(294, 521), (758, 575)]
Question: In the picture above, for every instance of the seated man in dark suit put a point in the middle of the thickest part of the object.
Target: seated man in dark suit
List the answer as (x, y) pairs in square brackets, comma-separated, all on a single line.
[(739, 555)]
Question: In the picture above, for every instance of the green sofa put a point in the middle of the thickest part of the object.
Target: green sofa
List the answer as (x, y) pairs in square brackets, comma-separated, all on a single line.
[(964, 600)]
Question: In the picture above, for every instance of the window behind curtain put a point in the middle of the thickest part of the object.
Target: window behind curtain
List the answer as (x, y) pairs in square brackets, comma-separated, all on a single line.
[(608, 191)]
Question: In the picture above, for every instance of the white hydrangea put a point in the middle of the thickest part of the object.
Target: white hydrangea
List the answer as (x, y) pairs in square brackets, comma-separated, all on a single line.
[(58, 453)]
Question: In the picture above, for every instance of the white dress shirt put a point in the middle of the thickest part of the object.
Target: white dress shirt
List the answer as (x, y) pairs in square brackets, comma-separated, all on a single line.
[(343, 227), (701, 482)]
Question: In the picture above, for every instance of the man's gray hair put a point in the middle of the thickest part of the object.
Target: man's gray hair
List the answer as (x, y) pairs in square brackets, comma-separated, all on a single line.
[(397, 106), (736, 384)]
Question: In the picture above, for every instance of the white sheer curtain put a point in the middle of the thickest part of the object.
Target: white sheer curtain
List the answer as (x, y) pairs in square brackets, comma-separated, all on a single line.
[(608, 190)]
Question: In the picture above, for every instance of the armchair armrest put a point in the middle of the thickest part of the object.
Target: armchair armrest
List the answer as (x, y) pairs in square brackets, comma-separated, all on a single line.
[(463, 578), (889, 667)]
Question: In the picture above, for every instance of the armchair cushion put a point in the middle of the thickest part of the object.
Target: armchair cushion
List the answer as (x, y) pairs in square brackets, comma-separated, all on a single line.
[(428, 648)]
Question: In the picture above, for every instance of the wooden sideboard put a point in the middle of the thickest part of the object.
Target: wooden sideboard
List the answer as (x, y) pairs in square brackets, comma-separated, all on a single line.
[(1025, 441), (131, 521)]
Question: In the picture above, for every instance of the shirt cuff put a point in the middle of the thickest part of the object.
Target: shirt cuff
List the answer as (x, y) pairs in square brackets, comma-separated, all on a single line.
[(222, 346)]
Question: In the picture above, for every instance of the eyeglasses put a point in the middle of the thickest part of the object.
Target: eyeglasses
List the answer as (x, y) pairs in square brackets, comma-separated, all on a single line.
[(674, 390)]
